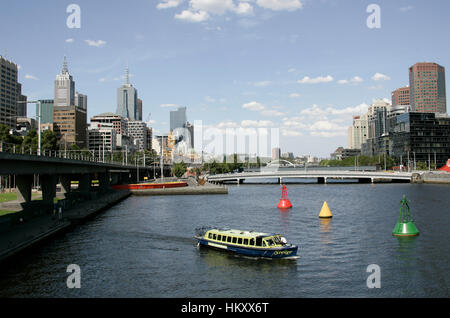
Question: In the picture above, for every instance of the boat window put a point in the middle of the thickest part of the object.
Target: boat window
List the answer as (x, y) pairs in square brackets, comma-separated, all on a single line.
[(259, 241), (214, 236), (252, 241), (239, 240), (219, 237), (234, 240), (210, 235), (245, 241), (270, 242), (224, 238), (265, 243), (229, 239)]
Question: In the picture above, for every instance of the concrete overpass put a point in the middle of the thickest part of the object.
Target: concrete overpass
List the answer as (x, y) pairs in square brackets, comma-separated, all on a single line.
[(322, 176), (52, 170)]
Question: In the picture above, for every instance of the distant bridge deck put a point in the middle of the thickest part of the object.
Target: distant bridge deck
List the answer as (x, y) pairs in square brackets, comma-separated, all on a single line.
[(321, 175)]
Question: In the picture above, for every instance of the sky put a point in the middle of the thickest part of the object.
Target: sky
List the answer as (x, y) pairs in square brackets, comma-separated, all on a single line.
[(305, 67)]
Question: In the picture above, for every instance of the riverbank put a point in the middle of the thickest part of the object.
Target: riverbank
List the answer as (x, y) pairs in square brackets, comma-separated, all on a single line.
[(436, 177), (28, 233)]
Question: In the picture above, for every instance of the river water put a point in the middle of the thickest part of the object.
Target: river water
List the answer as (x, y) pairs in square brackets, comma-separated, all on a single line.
[(144, 246)]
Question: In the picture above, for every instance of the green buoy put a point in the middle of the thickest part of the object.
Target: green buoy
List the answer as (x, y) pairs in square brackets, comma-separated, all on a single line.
[(405, 225)]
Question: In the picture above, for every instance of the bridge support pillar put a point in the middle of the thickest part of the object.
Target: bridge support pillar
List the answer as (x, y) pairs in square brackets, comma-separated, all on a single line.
[(84, 183), (321, 180), (65, 180), (103, 181), (24, 184), (48, 185)]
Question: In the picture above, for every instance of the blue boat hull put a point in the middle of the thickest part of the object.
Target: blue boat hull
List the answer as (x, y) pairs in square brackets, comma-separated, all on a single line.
[(276, 253)]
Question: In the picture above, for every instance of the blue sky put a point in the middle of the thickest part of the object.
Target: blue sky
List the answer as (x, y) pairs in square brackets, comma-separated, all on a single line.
[(303, 66)]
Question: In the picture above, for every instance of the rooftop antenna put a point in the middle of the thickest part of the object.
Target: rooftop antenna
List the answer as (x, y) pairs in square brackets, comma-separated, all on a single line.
[(65, 70), (127, 74)]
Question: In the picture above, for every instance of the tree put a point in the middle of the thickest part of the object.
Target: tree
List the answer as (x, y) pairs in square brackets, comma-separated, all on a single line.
[(179, 169), (49, 141), (6, 137), (30, 142)]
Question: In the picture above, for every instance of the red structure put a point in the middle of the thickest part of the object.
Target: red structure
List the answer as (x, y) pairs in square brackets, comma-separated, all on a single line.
[(446, 167), (284, 202)]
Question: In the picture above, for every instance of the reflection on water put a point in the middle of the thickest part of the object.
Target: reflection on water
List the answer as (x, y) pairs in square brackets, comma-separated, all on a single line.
[(325, 229), (406, 248)]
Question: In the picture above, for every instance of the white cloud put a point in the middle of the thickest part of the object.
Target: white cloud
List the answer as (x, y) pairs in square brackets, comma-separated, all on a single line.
[(98, 43), (317, 80), (279, 5), (243, 8), (272, 113), (209, 99), (227, 124), (169, 4), (191, 16), (290, 133), (294, 95), (169, 105), (354, 80), (256, 123), (380, 77), (69, 40), (31, 77), (254, 106)]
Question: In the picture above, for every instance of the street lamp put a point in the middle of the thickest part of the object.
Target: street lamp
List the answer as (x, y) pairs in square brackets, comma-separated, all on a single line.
[(38, 102)]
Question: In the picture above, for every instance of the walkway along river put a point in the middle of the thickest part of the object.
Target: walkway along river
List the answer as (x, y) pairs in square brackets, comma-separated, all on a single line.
[(144, 246)]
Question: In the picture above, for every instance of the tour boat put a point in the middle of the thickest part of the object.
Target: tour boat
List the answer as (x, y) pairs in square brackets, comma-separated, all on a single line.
[(143, 186), (248, 243)]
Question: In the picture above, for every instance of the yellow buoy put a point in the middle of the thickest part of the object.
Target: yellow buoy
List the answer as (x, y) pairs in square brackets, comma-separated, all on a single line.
[(325, 212)]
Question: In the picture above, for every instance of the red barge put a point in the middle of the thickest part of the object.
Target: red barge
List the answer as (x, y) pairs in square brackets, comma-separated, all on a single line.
[(144, 186)]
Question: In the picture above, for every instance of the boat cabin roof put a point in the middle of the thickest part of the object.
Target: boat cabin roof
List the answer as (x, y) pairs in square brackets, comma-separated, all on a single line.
[(247, 234)]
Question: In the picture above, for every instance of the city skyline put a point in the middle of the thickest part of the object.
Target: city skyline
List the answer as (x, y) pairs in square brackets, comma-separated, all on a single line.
[(260, 67)]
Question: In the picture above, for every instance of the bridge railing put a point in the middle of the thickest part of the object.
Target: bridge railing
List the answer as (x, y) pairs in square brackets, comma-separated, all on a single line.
[(117, 157)]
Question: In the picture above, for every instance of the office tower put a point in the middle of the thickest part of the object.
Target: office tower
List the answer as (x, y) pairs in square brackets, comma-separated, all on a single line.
[(81, 101), (149, 139), (127, 99), (69, 120), (101, 137), (427, 88), (11, 93), (358, 132), (138, 131), (22, 105), (139, 109), (69, 125), (401, 96), (276, 153), (46, 111), (178, 118), (190, 129), (64, 88)]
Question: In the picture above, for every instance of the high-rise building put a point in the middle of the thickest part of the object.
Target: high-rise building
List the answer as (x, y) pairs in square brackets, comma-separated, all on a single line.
[(69, 120), (178, 118), (64, 88), (139, 109), (138, 130), (81, 101), (358, 132), (46, 111), (276, 153), (427, 88), (101, 137), (127, 99), (11, 93), (401, 96)]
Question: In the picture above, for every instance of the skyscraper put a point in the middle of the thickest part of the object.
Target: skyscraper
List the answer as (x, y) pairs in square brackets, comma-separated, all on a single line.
[(427, 88), (11, 93), (64, 87), (69, 120), (401, 96), (127, 99), (178, 118)]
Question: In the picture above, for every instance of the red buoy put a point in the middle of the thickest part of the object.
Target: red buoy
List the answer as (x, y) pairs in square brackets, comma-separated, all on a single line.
[(284, 202)]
